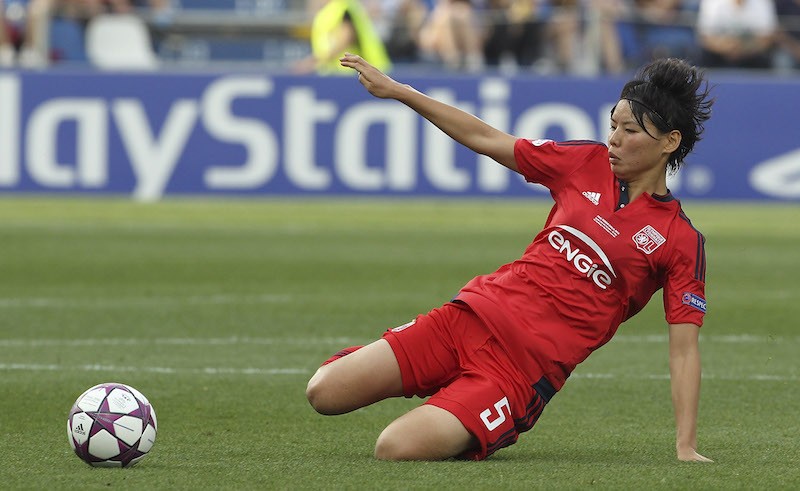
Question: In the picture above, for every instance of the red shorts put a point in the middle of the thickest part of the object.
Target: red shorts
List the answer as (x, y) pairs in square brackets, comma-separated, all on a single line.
[(450, 355)]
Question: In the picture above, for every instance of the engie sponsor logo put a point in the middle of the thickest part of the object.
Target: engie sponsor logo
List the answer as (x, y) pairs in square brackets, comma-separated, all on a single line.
[(695, 301), (601, 274)]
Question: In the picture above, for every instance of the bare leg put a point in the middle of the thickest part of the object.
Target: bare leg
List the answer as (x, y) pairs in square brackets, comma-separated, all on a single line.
[(371, 374), (3, 34), (563, 29), (610, 47), (36, 42), (436, 35), (425, 433), (7, 52), (468, 43), (359, 379)]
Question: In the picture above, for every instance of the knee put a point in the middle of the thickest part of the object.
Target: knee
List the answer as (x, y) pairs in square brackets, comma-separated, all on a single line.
[(392, 445), (424, 433), (318, 394), (389, 447)]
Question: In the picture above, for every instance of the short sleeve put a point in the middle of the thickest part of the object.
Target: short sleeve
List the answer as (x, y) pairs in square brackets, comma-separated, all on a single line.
[(685, 281), (546, 161)]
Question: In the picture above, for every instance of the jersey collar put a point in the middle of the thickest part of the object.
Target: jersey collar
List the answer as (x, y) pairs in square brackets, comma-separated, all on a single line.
[(664, 198), (624, 198)]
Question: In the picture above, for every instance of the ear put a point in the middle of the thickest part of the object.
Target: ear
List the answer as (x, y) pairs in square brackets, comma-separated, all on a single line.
[(673, 141)]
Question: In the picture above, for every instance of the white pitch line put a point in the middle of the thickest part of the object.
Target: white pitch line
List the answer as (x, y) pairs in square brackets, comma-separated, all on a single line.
[(230, 341), (123, 302), (31, 367), (337, 341), (711, 338), (665, 376)]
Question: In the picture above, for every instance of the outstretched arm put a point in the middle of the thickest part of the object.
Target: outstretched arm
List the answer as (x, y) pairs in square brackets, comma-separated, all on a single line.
[(461, 126), (684, 368)]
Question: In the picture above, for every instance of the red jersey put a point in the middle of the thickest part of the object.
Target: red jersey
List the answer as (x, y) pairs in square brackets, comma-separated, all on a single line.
[(596, 263)]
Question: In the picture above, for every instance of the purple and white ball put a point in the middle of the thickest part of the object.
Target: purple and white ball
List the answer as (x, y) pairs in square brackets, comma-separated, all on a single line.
[(112, 425)]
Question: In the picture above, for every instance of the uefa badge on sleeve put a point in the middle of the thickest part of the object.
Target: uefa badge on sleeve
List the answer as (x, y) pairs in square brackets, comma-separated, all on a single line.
[(695, 301)]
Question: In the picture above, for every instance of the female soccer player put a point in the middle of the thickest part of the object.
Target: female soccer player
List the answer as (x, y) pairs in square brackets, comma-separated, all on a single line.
[(492, 358)]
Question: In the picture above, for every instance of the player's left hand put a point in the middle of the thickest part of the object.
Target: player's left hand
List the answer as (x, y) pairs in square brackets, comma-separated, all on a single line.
[(691, 455)]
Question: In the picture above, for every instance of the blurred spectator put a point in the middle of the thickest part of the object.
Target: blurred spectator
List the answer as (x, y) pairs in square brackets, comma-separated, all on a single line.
[(563, 32), (659, 29), (126, 6), (20, 41), (789, 31), (453, 36), (605, 15), (7, 50), (45, 31), (602, 44), (341, 26), (158, 11), (737, 33), (56, 30), (515, 30), (402, 41)]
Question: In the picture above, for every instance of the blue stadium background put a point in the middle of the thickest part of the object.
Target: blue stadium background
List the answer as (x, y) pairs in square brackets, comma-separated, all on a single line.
[(201, 125)]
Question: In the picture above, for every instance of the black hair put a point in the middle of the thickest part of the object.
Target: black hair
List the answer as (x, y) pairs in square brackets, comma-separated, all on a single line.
[(674, 95)]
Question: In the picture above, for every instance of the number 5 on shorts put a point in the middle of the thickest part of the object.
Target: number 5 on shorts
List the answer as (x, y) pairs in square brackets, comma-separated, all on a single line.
[(498, 407)]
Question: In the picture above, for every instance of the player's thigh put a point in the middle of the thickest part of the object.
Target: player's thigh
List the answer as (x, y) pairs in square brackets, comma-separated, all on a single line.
[(367, 375), (424, 433)]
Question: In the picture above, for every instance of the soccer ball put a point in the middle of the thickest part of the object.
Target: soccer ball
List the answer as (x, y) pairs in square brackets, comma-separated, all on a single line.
[(112, 425)]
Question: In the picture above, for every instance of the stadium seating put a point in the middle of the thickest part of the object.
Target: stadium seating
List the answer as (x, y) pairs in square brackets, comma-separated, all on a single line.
[(267, 32)]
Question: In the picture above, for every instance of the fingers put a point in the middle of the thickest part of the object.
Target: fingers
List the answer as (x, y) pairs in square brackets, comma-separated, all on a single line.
[(352, 61), (352, 57), (355, 62)]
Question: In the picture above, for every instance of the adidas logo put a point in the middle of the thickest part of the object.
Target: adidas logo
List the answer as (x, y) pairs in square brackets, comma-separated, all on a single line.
[(592, 196)]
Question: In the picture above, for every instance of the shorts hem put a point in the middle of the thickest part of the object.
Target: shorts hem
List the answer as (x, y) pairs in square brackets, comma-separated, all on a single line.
[(402, 360)]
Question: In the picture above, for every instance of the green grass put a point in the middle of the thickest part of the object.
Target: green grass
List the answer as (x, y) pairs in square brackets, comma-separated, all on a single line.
[(219, 311)]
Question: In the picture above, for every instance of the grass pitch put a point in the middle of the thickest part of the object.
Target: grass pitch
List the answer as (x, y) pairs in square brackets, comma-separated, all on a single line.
[(220, 312)]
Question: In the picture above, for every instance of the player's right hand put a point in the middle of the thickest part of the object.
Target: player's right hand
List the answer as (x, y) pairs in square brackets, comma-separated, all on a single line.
[(375, 81)]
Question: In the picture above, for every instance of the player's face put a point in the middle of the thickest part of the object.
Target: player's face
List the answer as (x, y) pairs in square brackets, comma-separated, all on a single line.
[(634, 152)]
